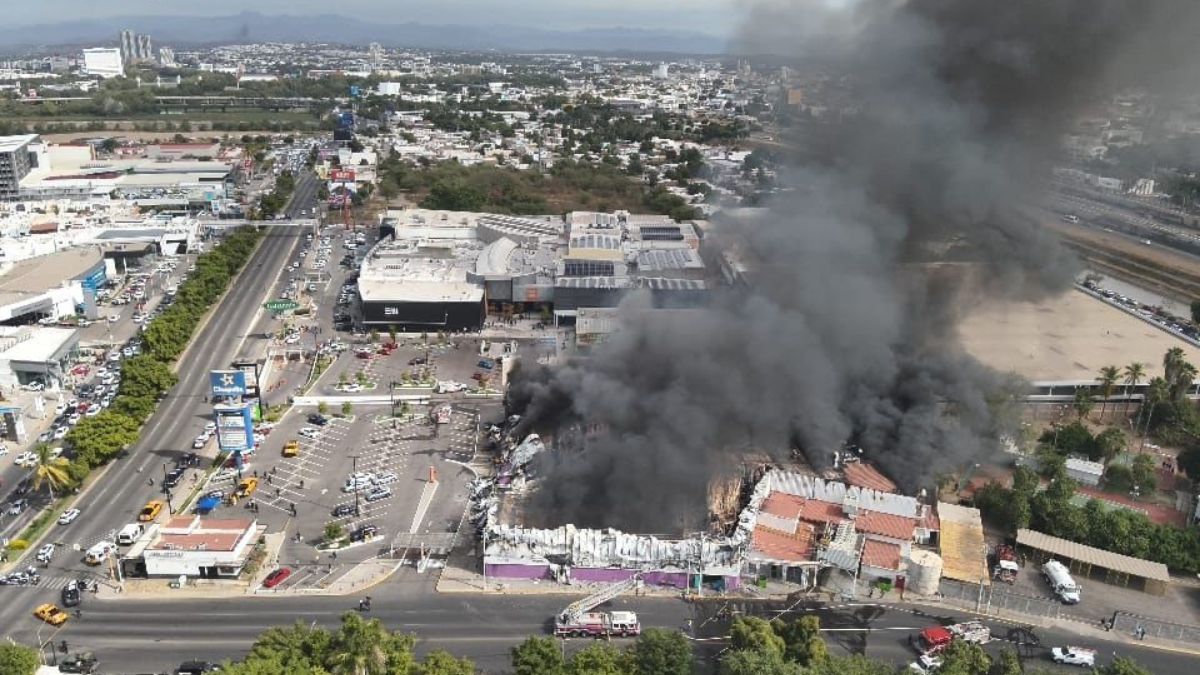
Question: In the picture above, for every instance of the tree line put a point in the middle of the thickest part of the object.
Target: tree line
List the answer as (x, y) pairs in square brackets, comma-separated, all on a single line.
[(146, 378)]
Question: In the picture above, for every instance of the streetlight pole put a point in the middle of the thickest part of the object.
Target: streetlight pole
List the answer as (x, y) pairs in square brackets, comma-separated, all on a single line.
[(354, 477), (170, 507)]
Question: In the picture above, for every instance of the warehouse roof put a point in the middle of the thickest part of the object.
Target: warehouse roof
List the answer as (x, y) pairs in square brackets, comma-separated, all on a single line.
[(1071, 550), (964, 552)]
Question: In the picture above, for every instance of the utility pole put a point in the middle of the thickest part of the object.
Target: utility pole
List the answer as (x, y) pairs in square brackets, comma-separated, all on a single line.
[(170, 508), (354, 477)]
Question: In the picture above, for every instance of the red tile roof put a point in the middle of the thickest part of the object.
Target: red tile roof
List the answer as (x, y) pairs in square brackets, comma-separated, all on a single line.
[(867, 476), (822, 512), (783, 546), (881, 554), (783, 505), (885, 525)]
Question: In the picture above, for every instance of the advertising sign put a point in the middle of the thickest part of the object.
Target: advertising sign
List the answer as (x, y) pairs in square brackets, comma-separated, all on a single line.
[(235, 427), (227, 382), (250, 370), (280, 305), (342, 175)]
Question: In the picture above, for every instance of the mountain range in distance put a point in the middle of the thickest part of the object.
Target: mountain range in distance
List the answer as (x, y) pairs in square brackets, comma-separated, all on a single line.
[(249, 27)]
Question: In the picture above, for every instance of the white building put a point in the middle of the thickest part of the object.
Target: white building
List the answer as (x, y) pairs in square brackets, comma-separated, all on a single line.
[(190, 546), (103, 62)]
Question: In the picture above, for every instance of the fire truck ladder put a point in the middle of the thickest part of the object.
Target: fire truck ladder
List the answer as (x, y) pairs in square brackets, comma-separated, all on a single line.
[(577, 609)]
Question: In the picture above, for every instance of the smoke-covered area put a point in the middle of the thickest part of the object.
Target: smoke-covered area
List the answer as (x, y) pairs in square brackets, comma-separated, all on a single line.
[(847, 331)]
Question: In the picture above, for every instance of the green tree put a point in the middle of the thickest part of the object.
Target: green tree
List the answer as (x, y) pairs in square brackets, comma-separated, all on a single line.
[(856, 664), (144, 376), (1109, 375), (964, 658), (1008, 663), (662, 652), (334, 532), (49, 470), (756, 634), (600, 659), (1134, 374), (365, 647), (802, 640), (1122, 666), (439, 662), (1143, 473), (1084, 403), (1196, 311), (1108, 444), (757, 662), (538, 656), (347, 408), (323, 407), (16, 659)]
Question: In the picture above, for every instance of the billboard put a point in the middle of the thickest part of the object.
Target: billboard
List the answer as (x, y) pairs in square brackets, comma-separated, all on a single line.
[(250, 372), (235, 427), (227, 383), (345, 120), (342, 175)]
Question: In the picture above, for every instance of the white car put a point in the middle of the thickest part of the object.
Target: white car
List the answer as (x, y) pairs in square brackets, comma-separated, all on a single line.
[(351, 388), (92, 411), (45, 553), (925, 664), (60, 408), (1074, 656), (386, 478), (113, 318), (60, 433), (3, 451), (199, 442), (68, 516), (210, 427), (25, 459), (291, 339), (34, 386), (310, 432)]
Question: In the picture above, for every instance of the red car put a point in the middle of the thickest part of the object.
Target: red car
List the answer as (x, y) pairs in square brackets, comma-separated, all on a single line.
[(275, 578)]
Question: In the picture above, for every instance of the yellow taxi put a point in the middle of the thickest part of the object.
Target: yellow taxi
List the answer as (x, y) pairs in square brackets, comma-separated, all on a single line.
[(247, 487), (150, 511), (51, 614), (291, 448)]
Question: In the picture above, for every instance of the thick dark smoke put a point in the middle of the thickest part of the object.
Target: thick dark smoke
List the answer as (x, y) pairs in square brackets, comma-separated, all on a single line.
[(897, 219)]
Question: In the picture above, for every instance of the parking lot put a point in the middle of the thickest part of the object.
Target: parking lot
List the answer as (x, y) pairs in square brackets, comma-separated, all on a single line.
[(395, 494)]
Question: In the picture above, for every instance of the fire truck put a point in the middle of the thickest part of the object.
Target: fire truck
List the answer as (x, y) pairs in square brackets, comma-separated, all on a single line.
[(578, 619), (935, 639), (1006, 567)]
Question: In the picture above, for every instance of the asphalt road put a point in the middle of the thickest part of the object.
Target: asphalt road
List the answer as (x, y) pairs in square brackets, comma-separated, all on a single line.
[(124, 488), (155, 635)]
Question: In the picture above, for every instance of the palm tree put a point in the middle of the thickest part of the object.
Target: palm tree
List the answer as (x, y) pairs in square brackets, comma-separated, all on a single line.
[(1134, 373), (1171, 362), (360, 647), (49, 469), (1185, 376), (1108, 379), (1157, 391), (1084, 402)]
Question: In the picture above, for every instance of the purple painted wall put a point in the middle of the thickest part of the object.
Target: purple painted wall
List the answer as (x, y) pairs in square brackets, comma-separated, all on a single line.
[(519, 571)]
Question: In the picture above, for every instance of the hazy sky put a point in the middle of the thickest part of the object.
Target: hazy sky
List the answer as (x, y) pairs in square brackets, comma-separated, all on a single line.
[(710, 16)]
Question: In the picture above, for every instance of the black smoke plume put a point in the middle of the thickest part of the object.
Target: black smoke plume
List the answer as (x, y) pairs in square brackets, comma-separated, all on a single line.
[(898, 217)]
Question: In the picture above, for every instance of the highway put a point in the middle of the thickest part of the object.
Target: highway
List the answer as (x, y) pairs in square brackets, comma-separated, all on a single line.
[(155, 635), (124, 488)]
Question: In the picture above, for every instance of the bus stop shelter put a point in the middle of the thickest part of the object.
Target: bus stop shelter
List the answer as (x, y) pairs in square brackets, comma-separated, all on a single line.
[(1120, 569)]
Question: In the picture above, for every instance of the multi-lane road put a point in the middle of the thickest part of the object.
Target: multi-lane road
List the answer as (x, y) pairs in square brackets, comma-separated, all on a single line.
[(156, 635), (125, 487)]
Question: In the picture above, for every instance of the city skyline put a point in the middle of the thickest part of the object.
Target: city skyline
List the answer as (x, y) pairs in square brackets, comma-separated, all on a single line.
[(707, 16)]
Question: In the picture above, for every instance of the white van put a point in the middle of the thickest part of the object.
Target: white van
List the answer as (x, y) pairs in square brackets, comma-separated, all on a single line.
[(1060, 580), (130, 534), (99, 553)]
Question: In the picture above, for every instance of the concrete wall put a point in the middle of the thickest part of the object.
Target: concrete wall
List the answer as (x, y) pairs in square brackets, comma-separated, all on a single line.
[(515, 571)]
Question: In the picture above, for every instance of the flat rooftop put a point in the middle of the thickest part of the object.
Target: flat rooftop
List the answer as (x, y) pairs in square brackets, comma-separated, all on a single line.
[(37, 275), (1064, 338), (42, 345), (10, 143)]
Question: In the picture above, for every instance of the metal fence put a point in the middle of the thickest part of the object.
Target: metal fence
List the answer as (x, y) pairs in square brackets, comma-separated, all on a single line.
[(997, 598), (1133, 624)]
